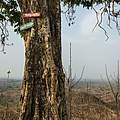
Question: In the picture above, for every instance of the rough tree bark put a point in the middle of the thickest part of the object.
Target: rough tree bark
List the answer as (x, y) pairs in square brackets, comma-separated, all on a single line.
[(43, 88)]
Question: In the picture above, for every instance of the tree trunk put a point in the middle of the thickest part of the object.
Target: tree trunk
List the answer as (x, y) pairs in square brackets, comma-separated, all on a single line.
[(43, 88)]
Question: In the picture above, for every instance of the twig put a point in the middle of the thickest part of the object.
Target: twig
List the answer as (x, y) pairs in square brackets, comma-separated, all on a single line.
[(79, 78)]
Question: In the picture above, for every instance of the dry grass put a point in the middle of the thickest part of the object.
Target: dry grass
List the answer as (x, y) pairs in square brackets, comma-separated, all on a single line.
[(89, 107), (85, 106)]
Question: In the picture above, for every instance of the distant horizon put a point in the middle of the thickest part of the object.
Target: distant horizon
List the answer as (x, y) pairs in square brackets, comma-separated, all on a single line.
[(4, 79), (84, 79)]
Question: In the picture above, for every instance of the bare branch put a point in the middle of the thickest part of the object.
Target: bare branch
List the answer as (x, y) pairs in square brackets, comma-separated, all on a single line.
[(114, 79), (118, 79), (111, 87), (96, 18), (101, 26), (79, 78), (107, 9)]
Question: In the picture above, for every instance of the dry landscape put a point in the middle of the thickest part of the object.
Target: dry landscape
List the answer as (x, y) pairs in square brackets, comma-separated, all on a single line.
[(92, 101)]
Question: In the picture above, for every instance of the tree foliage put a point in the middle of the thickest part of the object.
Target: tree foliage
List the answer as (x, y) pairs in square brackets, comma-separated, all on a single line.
[(88, 3), (9, 9), (10, 13)]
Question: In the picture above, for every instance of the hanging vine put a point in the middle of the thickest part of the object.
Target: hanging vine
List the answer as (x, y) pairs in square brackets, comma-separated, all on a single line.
[(8, 14), (4, 35), (112, 15), (108, 8)]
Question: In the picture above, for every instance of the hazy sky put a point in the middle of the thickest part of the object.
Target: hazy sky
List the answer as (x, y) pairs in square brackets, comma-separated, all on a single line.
[(88, 48)]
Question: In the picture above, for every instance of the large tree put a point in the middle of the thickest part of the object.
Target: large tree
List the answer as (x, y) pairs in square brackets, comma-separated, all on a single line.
[(43, 88)]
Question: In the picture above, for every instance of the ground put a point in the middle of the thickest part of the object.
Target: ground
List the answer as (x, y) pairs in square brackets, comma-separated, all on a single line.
[(90, 101)]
